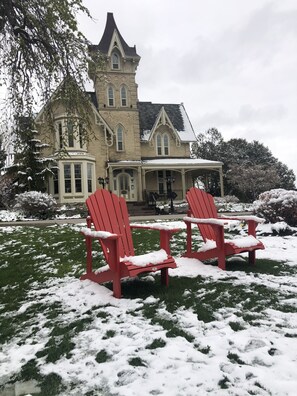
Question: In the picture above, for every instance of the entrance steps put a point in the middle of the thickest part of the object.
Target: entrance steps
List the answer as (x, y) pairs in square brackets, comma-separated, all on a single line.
[(140, 209)]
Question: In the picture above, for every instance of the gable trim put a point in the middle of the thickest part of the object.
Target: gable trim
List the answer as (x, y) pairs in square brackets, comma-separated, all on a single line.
[(163, 119), (115, 43)]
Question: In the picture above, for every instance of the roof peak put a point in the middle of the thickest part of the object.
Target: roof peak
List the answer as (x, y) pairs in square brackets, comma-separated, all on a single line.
[(108, 34)]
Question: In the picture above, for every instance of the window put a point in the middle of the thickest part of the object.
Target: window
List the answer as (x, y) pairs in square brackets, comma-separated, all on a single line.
[(67, 178), (162, 144), (120, 138), (162, 181), (70, 135), (73, 178), (115, 61), (60, 132), (159, 144), (77, 178), (123, 96), (80, 135), (110, 94), (90, 177), (165, 144)]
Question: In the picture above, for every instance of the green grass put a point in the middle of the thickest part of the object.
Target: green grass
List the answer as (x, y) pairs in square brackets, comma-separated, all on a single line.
[(31, 256)]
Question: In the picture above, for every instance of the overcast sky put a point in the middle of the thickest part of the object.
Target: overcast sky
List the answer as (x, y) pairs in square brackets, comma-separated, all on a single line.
[(233, 63)]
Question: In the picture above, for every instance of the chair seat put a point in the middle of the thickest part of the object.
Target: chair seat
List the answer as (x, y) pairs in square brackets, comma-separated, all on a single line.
[(245, 242)]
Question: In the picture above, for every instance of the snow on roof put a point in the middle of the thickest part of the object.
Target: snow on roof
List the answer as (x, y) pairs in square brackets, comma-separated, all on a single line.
[(186, 135), (149, 112), (181, 162)]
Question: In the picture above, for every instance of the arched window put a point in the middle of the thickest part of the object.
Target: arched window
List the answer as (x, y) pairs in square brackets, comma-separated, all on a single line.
[(70, 134), (165, 144), (162, 144), (115, 61), (60, 135), (120, 138), (159, 144), (110, 94), (123, 96)]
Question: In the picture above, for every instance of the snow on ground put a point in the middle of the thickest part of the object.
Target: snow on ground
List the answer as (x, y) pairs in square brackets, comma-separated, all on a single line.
[(266, 353)]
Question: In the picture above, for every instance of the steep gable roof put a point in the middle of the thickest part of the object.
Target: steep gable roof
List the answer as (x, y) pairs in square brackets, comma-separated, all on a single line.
[(149, 112), (93, 98), (106, 39)]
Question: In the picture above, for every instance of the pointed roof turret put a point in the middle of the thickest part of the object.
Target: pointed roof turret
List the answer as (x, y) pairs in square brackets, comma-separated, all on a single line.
[(112, 33)]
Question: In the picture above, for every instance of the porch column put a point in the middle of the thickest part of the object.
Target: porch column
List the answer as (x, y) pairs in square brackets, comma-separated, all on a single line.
[(139, 187), (221, 181), (183, 184), (143, 183), (110, 175)]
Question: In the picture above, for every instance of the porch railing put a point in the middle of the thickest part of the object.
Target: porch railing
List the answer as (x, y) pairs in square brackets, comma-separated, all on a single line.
[(162, 201)]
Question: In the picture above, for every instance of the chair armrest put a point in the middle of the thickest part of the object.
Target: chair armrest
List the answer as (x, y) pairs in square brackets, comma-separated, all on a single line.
[(216, 224), (210, 221), (109, 243), (156, 226), (87, 232), (252, 222), (244, 218)]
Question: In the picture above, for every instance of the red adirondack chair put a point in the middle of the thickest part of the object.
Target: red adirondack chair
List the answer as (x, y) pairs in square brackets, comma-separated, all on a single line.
[(108, 222), (203, 212)]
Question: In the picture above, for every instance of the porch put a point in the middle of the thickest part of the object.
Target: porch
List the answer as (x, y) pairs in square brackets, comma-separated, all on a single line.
[(162, 180)]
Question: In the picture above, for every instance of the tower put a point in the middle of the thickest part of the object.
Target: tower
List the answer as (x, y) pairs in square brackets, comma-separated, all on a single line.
[(116, 91)]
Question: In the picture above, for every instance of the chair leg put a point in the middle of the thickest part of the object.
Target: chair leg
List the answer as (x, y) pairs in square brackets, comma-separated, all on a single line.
[(116, 285), (252, 257), (164, 276), (222, 261)]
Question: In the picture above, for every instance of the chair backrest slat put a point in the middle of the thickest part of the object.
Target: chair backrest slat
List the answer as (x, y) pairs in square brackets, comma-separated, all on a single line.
[(109, 213), (202, 206)]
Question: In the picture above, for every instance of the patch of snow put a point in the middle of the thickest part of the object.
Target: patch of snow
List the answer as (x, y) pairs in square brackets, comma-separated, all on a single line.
[(143, 260)]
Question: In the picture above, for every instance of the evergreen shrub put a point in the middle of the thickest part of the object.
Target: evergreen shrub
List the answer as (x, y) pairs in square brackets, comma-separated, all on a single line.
[(35, 204)]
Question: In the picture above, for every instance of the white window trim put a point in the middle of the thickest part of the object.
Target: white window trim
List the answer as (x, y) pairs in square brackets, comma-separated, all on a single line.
[(62, 137), (115, 54), (123, 138), (124, 89), (72, 179), (110, 88), (162, 136)]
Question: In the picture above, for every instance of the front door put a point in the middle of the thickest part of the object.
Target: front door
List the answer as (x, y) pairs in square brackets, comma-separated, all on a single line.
[(125, 185)]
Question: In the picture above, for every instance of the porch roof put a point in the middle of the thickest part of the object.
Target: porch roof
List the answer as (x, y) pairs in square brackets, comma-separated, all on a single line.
[(167, 163), (193, 163)]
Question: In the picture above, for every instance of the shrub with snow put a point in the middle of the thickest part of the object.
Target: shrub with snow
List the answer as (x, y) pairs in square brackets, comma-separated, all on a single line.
[(277, 205), (36, 204), (227, 199)]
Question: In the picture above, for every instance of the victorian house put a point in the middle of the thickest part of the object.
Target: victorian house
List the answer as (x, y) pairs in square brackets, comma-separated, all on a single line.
[(139, 149)]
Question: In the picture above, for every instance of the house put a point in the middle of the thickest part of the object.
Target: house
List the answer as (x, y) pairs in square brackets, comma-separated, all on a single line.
[(139, 149)]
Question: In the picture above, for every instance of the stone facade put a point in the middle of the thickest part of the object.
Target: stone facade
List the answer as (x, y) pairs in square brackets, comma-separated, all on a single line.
[(139, 148)]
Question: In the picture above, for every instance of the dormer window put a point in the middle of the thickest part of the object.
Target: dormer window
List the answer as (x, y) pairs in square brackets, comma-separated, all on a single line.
[(115, 61), (162, 144)]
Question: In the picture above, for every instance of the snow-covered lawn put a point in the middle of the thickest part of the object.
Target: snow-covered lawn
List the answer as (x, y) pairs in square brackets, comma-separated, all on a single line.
[(213, 332)]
